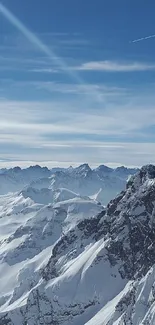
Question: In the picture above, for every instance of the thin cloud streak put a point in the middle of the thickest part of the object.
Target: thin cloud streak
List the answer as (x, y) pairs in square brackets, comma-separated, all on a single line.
[(45, 49), (44, 70), (142, 39), (35, 40), (113, 66), (134, 154)]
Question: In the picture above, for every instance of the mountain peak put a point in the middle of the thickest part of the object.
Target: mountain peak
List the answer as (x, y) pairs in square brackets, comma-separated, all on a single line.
[(37, 167), (104, 169), (16, 169), (121, 168), (84, 168), (147, 172)]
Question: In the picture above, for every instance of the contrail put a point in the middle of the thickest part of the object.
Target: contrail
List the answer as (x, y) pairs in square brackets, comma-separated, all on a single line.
[(94, 94), (35, 40), (142, 38)]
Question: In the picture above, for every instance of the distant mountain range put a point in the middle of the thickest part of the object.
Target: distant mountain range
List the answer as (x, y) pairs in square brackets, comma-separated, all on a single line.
[(102, 183)]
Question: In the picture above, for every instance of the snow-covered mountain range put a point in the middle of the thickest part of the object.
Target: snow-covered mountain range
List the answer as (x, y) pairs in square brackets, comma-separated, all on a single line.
[(102, 183), (67, 259)]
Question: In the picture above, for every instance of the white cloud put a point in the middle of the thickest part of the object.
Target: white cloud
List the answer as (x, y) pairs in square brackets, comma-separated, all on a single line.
[(113, 66)]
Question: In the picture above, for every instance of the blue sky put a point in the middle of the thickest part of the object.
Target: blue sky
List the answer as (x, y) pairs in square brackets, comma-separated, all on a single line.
[(74, 88)]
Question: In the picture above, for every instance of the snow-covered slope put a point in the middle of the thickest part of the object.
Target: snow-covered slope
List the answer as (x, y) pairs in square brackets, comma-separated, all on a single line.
[(73, 262), (15, 179), (29, 231)]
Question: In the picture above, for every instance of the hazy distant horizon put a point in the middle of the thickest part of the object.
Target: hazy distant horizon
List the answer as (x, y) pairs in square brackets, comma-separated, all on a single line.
[(53, 164)]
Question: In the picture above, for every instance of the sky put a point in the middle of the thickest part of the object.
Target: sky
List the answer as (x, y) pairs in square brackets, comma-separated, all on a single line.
[(75, 84)]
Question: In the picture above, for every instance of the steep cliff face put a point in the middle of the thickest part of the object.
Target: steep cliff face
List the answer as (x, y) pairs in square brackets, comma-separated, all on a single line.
[(75, 262)]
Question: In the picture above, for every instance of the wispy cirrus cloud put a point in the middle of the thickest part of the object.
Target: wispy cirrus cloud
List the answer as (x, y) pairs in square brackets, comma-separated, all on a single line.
[(128, 154), (39, 119), (86, 89), (114, 66), (69, 134), (44, 70)]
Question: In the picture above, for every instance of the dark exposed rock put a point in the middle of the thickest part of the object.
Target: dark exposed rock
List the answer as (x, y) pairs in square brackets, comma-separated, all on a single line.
[(132, 235), (126, 301), (91, 227), (5, 320)]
